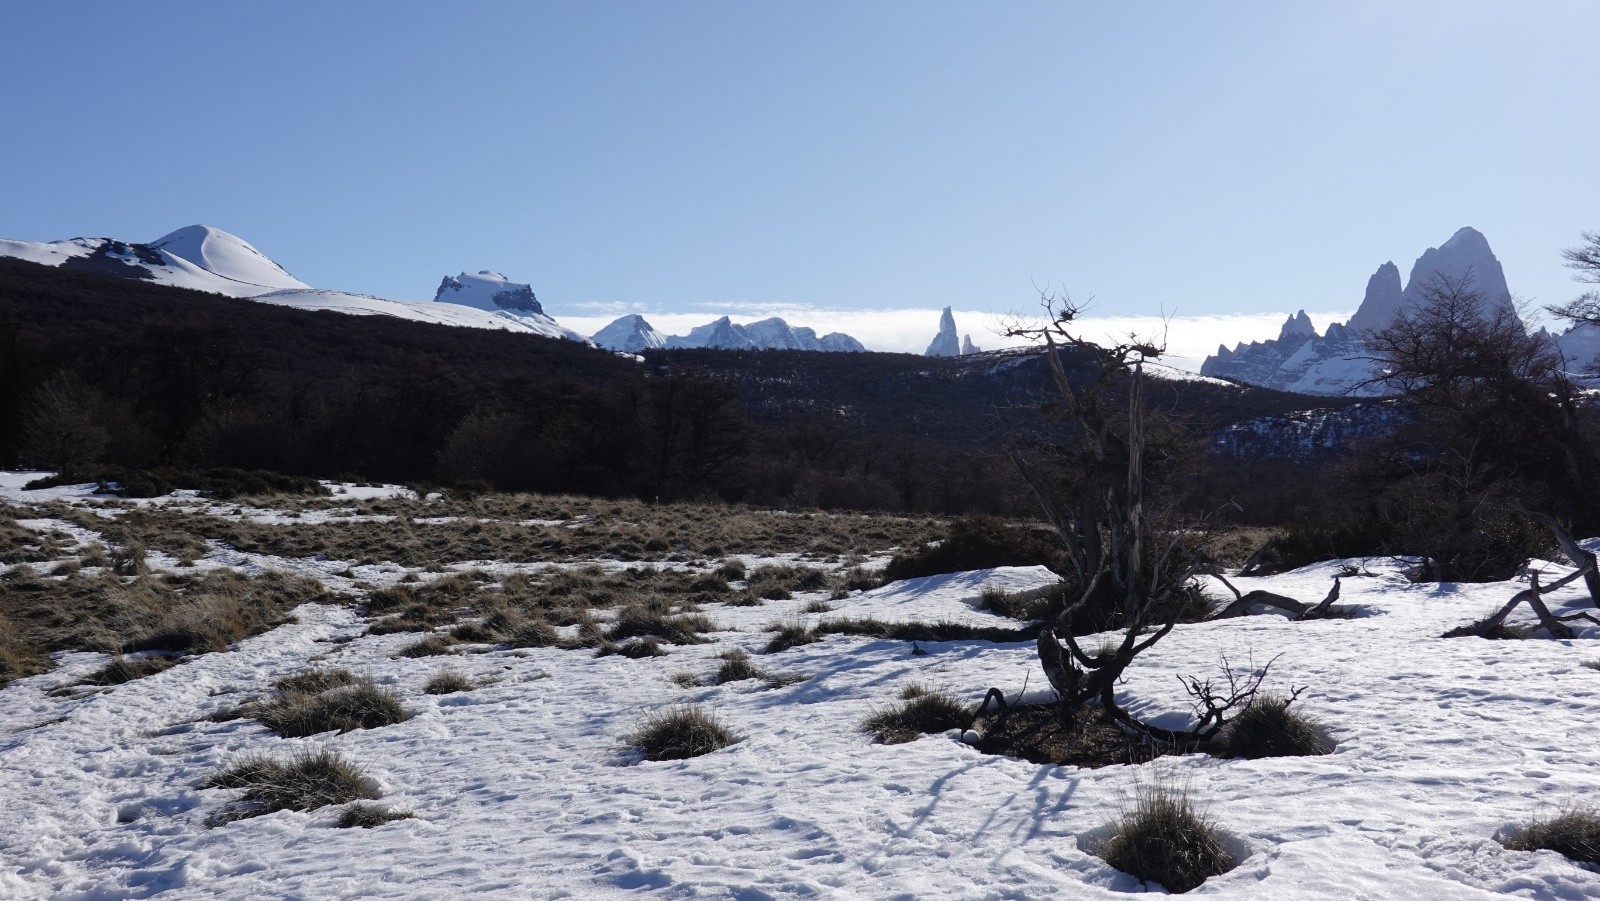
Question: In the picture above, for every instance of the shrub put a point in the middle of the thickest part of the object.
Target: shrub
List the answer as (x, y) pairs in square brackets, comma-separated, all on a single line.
[(1574, 833), (819, 607), (1037, 604), (446, 681), (431, 646), (920, 712), (1166, 841), (366, 816), (976, 542), (736, 667), (1269, 728), (306, 781), (678, 733), (361, 705), (731, 570)]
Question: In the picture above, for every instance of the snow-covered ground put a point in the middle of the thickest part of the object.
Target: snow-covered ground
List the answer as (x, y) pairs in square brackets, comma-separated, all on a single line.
[(524, 788)]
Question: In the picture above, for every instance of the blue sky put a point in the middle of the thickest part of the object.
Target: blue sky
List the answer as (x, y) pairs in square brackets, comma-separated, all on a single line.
[(1198, 158)]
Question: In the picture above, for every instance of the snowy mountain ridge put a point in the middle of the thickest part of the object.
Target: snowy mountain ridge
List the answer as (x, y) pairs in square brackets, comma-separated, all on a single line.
[(632, 333), (204, 258)]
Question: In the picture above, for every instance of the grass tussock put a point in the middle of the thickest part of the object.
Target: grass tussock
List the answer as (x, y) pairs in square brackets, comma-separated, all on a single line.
[(313, 681), (920, 712), (679, 733), (1269, 727), (1027, 606), (431, 646), (1165, 840), (790, 635), (126, 669), (1574, 832), (445, 682), (361, 815), (306, 780), (736, 667), (636, 620), (360, 704), (637, 649)]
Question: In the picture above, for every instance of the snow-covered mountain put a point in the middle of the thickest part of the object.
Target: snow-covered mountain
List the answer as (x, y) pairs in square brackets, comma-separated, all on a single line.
[(203, 258), (1302, 361), (197, 257), (632, 334)]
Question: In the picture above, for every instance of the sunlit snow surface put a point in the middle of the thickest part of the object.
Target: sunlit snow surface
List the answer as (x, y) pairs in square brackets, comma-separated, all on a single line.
[(523, 788)]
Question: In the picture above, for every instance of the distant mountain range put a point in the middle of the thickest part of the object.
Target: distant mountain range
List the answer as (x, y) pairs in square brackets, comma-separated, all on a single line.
[(1337, 363), (632, 334)]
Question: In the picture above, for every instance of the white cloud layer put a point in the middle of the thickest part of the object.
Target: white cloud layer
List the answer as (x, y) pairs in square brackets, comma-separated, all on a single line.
[(1190, 339)]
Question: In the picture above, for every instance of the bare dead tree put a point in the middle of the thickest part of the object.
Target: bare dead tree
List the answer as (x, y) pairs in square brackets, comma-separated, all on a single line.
[(1130, 570), (1585, 259), (1245, 604), (1533, 596)]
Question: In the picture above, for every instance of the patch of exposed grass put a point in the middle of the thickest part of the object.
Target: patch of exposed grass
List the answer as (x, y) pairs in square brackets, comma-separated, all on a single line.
[(431, 646), (637, 649), (1165, 840), (636, 620), (1269, 727), (931, 632), (126, 669), (1574, 833), (306, 780), (790, 635), (314, 680), (736, 667), (919, 712), (358, 705), (678, 733), (361, 815), (447, 681)]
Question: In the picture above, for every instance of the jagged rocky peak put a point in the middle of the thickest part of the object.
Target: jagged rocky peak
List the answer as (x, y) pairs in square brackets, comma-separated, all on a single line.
[(947, 343), (1298, 327), (967, 347), (630, 334), (1337, 362), (1382, 302), (766, 334), (488, 290)]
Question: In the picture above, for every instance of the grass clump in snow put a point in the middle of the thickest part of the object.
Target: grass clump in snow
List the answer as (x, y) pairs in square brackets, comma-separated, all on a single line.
[(360, 704), (1165, 840), (361, 815), (636, 620), (736, 667), (920, 712), (431, 646), (445, 682), (127, 669), (1269, 728), (1574, 833), (679, 733), (1036, 604), (790, 635), (306, 781), (637, 649), (1501, 631), (312, 681)]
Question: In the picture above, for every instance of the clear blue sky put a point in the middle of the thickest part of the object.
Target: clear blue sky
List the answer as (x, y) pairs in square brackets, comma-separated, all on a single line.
[(1208, 158)]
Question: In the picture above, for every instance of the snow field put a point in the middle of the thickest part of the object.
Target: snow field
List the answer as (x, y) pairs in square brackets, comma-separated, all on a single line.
[(523, 787)]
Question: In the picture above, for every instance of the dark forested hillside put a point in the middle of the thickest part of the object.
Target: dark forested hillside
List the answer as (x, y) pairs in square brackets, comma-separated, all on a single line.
[(98, 372)]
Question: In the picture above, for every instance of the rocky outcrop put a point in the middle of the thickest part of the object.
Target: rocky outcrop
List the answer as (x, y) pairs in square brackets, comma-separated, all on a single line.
[(947, 343), (488, 291), (967, 347)]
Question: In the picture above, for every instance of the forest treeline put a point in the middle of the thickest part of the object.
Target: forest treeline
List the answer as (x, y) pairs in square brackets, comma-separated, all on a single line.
[(102, 376)]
